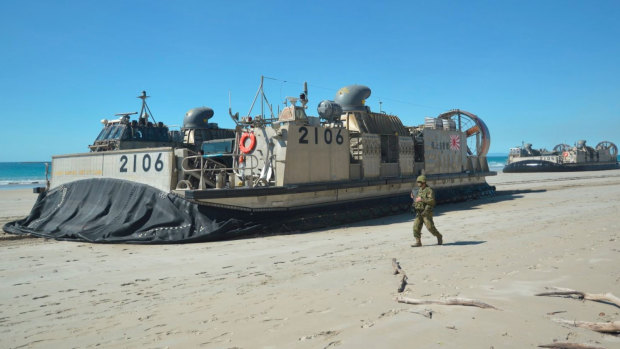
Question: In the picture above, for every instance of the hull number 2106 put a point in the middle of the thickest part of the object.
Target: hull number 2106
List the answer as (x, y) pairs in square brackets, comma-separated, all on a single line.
[(147, 163), (327, 136)]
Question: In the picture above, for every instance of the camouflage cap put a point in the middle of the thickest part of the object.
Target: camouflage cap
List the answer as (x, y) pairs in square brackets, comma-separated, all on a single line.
[(421, 178)]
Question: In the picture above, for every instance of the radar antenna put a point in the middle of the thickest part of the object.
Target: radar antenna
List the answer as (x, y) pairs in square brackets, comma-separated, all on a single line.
[(122, 115), (123, 118), (145, 112)]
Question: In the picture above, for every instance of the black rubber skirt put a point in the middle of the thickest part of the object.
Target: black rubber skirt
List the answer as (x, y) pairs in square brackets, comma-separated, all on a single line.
[(113, 210)]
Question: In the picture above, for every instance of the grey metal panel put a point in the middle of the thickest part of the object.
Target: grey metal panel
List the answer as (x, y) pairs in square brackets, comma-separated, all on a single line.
[(152, 166)]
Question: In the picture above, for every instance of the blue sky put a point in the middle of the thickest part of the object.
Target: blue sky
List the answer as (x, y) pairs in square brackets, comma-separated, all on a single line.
[(544, 72)]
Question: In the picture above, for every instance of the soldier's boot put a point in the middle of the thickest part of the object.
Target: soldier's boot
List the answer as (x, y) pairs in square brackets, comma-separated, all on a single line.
[(439, 239), (418, 243)]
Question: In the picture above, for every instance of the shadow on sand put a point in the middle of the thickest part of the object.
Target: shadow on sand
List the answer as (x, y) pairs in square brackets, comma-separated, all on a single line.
[(440, 209), (464, 243)]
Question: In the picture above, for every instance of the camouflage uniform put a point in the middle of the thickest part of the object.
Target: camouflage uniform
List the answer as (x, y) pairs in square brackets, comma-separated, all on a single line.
[(424, 213)]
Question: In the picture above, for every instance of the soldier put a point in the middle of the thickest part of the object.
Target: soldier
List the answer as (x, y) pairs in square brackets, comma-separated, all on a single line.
[(423, 203)]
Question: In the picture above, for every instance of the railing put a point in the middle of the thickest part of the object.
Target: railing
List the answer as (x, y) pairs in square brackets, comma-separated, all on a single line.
[(212, 173)]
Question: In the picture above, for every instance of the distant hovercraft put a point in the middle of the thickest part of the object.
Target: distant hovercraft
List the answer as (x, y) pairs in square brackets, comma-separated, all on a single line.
[(563, 158)]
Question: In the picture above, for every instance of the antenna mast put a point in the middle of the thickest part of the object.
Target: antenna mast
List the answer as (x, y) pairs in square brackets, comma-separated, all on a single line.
[(145, 108)]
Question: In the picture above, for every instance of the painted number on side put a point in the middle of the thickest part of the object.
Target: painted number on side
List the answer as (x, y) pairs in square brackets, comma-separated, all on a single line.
[(146, 163), (327, 135)]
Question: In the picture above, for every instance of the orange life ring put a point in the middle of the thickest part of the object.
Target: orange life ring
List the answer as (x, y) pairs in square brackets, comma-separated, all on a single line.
[(565, 154), (244, 137)]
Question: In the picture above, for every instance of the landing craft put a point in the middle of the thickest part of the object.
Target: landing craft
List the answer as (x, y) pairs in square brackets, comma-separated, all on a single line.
[(286, 171), (563, 158)]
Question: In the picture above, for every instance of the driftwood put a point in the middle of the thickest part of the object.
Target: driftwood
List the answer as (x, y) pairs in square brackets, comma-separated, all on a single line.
[(398, 270), (448, 301), (569, 346), (597, 297), (602, 327)]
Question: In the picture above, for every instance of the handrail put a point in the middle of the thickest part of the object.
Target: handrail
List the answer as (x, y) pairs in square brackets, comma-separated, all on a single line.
[(185, 159), (219, 167)]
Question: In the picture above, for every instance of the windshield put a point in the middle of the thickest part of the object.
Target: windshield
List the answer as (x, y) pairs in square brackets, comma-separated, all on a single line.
[(116, 133), (224, 146), (105, 133), (101, 134)]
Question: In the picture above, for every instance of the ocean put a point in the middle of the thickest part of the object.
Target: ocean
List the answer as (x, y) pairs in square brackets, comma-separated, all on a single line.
[(15, 175), (497, 163)]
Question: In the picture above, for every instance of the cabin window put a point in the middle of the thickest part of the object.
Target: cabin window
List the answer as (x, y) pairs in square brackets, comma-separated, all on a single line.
[(102, 134), (116, 133), (108, 131), (217, 147)]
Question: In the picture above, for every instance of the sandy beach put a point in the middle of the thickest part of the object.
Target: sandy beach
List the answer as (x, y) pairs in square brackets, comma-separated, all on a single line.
[(332, 287)]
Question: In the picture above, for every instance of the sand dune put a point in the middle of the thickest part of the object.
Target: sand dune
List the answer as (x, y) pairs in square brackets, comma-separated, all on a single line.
[(333, 287)]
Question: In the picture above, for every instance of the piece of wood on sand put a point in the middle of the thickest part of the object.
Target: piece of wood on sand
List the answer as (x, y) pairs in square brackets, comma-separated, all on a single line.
[(559, 345), (597, 297), (448, 301), (602, 327), (398, 270)]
